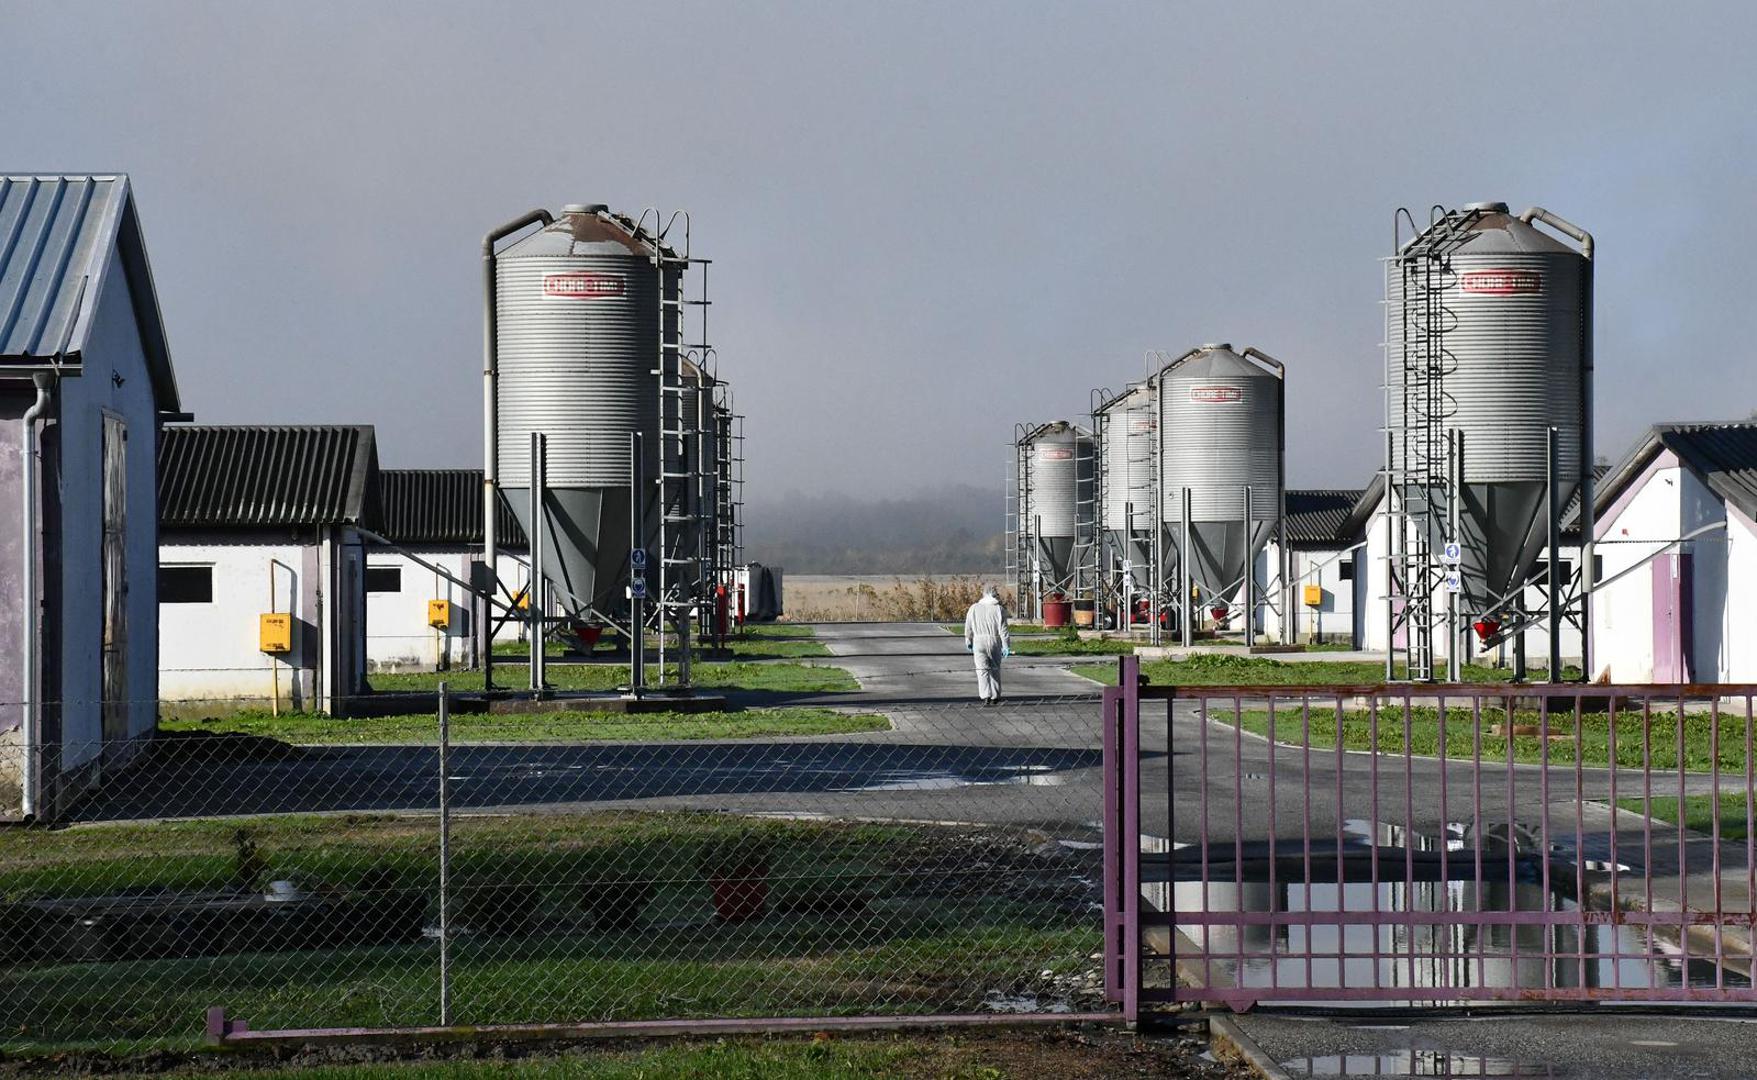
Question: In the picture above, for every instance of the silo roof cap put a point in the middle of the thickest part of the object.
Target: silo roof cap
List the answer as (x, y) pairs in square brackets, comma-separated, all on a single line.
[(585, 208), (1490, 207)]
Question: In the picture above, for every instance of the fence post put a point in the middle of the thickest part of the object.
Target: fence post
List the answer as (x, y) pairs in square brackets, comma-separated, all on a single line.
[(445, 855), (1122, 838)]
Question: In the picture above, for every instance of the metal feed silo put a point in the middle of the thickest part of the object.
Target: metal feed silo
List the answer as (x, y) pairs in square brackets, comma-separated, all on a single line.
[(577, 343), (1055, 463), (1125, 463), (1222, 421), (1487, 336)]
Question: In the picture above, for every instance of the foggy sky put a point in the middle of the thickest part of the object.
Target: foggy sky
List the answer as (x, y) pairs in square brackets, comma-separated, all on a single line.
[(928, 221)]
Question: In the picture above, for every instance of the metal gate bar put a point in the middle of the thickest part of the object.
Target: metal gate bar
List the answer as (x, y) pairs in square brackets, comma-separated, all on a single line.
[(1386, 845)]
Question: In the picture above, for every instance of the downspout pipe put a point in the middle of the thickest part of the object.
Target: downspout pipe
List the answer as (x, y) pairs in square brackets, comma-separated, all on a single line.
[(31, 625), (490, 423)]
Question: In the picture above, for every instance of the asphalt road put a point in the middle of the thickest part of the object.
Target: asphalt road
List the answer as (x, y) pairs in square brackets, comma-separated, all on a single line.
[(1033, 760)]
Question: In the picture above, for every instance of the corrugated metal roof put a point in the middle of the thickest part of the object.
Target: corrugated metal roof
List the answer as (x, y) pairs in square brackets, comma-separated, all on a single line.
[(1320, 518), (56, 237), (218, 477), (440, 506), (1723, 456)]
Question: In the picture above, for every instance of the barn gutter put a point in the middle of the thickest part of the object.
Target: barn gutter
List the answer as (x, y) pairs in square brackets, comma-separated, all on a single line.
[(31, 786), (490, 407)]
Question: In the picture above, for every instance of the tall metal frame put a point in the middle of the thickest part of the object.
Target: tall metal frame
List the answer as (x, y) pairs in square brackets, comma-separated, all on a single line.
[(678, 508), (1102, 570), (1420, 447)]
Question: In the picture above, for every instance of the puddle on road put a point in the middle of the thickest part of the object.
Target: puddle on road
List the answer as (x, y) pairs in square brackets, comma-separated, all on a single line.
[(1373, 903), (1410, 1063)]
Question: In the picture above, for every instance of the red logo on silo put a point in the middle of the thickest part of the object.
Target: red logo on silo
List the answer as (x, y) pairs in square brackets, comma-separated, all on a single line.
[(1055, 453), (1501, 282), (1216, 395), (583, 285)]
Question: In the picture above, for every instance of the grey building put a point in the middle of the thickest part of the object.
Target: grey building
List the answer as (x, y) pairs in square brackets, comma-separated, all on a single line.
[(85, 383)]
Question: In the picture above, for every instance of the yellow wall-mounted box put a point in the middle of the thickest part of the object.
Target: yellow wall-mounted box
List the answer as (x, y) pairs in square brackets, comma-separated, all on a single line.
[(274, 633), (439, 614), (1314, 595)]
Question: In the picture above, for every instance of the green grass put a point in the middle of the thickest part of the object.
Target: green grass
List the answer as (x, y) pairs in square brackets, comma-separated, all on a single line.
[(727, 675), (1698, 812), (929, 939), (1388, 735), (1070, 645), (585, 726), (732, 1059), (1235, 670), (755, 641), (1017, 629)]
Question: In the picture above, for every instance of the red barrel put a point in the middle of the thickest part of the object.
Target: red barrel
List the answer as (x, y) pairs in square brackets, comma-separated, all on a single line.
[(1056, 612)]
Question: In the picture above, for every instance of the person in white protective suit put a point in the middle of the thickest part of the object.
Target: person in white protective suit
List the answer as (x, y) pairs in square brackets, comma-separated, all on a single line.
[(986, 636)]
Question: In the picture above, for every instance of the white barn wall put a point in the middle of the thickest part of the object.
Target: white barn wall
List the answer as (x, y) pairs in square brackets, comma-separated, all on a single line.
[(1738, 659), (1333, 620), (398, 637), (1632, 529), (115, 378), (208, 652)]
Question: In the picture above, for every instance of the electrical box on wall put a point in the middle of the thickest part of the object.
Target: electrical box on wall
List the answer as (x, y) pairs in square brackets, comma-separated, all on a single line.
[(1314, 595), (274, 633), (439, 614)]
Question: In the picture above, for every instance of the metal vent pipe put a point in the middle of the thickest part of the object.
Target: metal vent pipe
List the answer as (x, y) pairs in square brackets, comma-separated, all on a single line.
[(490, 427)]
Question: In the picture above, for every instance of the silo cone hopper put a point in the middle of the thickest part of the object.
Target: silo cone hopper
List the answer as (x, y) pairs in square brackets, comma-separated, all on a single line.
[(1055, 559), (1219, 551), (585, 543), (1503, 531)]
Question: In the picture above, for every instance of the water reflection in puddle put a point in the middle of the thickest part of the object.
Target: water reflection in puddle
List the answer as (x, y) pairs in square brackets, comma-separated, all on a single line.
[(1373, 917), (1410, 1063)]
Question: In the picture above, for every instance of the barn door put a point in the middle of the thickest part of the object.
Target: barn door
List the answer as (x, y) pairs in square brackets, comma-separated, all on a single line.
[(115, 580), (1672, 617)]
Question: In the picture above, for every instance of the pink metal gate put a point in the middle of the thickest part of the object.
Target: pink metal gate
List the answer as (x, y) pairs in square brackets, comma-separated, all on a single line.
[(1404, 845)]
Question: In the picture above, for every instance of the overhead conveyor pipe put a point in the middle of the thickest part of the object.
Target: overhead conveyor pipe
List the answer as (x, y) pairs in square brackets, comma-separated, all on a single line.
[(490, 411), (30, 625)]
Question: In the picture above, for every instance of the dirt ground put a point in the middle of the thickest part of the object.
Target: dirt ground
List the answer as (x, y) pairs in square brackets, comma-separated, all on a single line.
[(1072, 1053)]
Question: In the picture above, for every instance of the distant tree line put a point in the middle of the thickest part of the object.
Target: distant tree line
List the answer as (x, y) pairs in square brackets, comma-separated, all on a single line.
[(955, 529)]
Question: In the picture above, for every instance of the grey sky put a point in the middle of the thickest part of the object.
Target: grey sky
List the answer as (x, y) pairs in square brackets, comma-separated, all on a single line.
[(928, 221)]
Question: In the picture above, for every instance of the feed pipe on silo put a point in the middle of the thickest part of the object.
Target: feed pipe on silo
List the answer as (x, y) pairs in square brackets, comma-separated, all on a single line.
[(28, 626), (1286, 598), (1588, 511), (490, 406)]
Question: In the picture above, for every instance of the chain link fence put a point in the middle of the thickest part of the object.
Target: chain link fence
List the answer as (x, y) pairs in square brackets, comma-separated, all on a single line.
[(942, 859)]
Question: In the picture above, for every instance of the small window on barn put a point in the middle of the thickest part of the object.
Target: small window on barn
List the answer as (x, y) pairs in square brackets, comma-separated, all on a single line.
[(384, 579), (186, 584), (1345, 569), (1540, 574)]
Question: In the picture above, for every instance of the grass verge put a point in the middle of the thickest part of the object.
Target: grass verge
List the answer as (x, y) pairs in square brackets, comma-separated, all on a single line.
[(1667, 740), (725, 675), (313, 729), (1700, 812), (605, 915), (1235, 670)]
